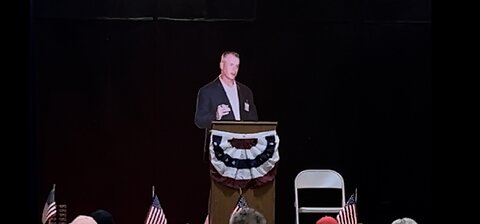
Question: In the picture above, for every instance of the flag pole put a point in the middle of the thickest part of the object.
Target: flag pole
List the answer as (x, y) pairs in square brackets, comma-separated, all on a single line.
[(153, 191), (54, 187)]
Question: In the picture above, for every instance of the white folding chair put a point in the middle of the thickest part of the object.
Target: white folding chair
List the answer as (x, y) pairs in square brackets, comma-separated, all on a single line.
[(318, 178)]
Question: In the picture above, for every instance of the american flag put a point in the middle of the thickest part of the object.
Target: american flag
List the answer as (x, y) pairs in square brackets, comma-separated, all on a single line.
[(241, 203), (155, 214), (348, 215), (50, 208)]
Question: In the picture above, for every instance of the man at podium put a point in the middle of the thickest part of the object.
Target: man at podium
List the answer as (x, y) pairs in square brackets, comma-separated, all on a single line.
[(224, 98)]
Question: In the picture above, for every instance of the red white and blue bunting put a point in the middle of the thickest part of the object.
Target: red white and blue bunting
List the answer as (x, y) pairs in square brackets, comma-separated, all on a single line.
[(243, 160)]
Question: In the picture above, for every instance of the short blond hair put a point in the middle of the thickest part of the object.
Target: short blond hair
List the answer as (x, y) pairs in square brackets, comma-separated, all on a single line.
[(225, 53), (404, 221)]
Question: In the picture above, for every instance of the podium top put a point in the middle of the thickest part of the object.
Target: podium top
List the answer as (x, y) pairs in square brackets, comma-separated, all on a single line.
[(244, 126)]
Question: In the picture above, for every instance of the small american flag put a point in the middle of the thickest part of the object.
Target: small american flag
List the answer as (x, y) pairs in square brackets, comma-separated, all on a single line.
[(348, 215), (241, 203), (155, 214), (50, 208)]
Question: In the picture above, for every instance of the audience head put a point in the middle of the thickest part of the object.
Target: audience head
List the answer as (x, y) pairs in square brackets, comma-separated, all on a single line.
[(327, 220), (404, 221), (102, 217), (248, 216), (83, 219)]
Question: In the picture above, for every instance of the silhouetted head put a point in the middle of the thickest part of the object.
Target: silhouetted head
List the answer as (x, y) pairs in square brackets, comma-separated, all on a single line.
[(102, 217)]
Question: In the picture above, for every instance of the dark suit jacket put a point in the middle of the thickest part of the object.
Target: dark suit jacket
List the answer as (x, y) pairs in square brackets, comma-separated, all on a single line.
[(212, 94)]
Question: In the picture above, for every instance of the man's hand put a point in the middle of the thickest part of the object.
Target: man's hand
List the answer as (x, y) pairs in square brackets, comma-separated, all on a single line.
[(222, 110)]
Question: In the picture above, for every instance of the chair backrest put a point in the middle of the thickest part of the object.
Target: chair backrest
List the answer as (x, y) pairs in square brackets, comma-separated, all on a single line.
[(318, 178)]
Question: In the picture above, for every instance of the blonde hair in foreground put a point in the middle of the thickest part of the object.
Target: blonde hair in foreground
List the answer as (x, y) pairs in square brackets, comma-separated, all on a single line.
[(247, 216)]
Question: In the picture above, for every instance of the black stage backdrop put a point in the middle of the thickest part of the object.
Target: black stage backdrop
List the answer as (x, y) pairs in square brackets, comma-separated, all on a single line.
[(113, 88)]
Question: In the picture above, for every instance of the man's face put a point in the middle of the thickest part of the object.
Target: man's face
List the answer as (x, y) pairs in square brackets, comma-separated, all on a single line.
[(230, 66)]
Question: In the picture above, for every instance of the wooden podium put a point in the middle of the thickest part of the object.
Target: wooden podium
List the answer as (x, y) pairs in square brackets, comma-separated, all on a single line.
[(223, 199)]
